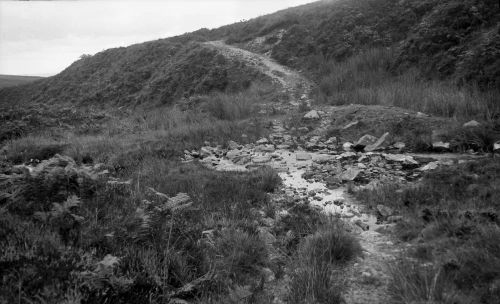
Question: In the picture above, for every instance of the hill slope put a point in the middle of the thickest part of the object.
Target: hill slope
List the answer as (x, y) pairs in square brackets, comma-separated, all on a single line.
[(157, 72), (13, 80), (450, 39)]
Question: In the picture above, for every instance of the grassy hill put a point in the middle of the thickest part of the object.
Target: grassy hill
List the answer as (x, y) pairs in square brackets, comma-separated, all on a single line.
[(13, 80), (451, 40), (446, 39), (156, 72)]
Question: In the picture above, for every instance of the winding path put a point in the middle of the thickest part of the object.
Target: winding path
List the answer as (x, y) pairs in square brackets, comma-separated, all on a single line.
[(292, 82)]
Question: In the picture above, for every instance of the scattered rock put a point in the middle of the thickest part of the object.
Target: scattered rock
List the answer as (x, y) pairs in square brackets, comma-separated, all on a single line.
[(205, 152), (347, 155), (430, 166), (381, 143), (262, 141), (313, 115), (350, 174), (364, 141), (441, 146), (303, 156), (401, 158), (399, 145), (350, 125), (471, 124), (260, 159), (496, 146), (232, 145), (347, 146), (265, 148), (385, 211), (362, 225)]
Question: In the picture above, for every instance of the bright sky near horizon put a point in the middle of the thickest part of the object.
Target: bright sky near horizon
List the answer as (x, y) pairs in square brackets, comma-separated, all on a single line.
[(44, 37)]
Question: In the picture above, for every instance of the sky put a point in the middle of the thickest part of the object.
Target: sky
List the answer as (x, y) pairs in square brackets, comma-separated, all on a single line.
[(41, 38)]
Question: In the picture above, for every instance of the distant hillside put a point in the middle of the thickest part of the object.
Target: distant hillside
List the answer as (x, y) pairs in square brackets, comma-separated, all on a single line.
[(458, 40), (13, 80)]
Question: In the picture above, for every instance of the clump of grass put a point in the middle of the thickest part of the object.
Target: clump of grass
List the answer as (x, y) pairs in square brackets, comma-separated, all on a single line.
[(240, 254), (330, 245), (367, 79), (480, 138), (413, 282), (35, 147), (317, 276)]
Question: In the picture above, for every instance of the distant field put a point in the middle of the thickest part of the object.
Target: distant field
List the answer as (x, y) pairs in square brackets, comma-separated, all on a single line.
[(12, 80)]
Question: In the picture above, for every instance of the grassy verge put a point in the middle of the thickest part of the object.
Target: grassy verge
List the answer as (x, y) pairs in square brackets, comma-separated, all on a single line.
[(451, 217), (367, 79)]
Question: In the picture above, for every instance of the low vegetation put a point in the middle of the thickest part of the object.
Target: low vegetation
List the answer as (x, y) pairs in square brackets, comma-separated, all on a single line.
[(368, 79), (451, 217)]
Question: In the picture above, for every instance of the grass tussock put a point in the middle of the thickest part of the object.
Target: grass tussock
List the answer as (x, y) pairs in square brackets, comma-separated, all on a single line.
[(317, 275), (453, 211), (367, 79)]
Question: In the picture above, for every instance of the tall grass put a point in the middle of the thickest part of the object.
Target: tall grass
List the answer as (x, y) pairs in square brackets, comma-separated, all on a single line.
[(367, 79), (317, 275)]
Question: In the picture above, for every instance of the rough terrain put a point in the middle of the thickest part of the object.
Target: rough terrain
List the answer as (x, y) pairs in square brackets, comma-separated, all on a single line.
[(318, 170)]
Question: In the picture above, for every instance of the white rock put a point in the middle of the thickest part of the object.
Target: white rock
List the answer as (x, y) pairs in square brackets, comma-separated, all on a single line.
[(496, 146), (441, 146), (471, 124), (381, 143), (401, 158), (365, 141), (430, 166), (265, 148), (350, 125), (347, 146), (313, 114), (350, 174), (399, 145), (262, 141)]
